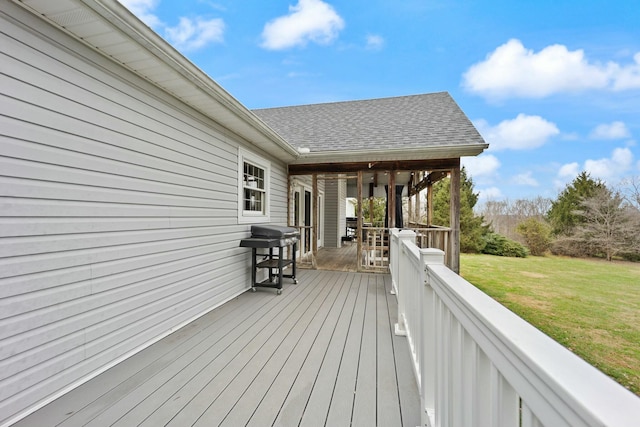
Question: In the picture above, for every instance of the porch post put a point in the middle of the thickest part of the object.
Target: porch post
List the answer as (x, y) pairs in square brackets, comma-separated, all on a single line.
[(454, 243), (429, 204), (418, 201), (314, 227), (391, 199), (289, 195), (371, 192), (359, 222)]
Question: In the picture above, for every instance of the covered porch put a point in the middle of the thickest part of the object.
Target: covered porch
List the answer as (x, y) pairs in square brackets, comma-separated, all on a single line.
[(332, 239), (394, 148), (322, 353)]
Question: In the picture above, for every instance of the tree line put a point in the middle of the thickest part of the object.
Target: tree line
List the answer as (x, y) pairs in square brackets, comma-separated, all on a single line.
[(587, 218)]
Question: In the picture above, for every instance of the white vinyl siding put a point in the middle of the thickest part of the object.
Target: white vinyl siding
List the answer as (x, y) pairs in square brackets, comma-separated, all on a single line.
[(118, 213)]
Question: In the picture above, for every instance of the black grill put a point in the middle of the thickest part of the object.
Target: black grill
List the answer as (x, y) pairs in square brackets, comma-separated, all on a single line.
[(268, 237)]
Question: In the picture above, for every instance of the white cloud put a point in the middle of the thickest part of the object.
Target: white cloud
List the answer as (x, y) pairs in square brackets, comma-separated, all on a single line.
[(615, 130), (570, 170), (309, 20), (628, 77), (514, 71), (525, 179), (608, 168), (143, 10), (621, 161), (189, 34), (192, 35), (491, 193), (375, 42), (481, 166), (522, 133), (566, 173)]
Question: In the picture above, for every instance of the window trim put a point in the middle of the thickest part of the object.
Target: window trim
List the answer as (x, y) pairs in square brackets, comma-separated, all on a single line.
[(244, 216)]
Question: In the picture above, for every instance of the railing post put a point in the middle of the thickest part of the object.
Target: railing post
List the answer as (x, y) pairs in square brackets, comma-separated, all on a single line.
[(394, 247), (401, 294), (429, 365)]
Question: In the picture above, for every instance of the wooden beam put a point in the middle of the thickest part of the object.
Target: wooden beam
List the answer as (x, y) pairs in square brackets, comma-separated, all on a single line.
[(418, 206), (289, 192), (359, 223), (410, 209), (371, 192), (398, 165), (391, 199), (454, 254), (430, 205), (430, 179), (314, 229)]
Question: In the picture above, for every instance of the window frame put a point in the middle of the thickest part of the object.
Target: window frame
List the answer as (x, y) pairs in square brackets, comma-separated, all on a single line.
[(249, 216)]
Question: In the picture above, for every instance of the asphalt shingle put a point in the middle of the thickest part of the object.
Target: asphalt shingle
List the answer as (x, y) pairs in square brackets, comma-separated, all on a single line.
[(427, 120)]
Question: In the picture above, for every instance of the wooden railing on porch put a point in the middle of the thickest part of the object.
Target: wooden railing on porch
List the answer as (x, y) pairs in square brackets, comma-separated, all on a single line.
[(375, 244), (375, 248), (478, 364)]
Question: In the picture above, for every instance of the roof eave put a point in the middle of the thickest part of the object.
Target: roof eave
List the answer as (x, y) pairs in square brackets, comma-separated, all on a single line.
[(367, 155), (218, 105)]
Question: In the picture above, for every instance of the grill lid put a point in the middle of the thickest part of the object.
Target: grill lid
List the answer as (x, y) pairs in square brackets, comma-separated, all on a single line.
[(274, 231)]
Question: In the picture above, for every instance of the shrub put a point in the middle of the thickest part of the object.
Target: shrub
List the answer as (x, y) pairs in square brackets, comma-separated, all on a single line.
[(573, 247), (497, 244), (536, 234)]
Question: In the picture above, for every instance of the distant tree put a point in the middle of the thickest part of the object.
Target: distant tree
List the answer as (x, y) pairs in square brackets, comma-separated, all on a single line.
[(562, 214), (379, 207), (631, 190), (505, 215), (609, 225), (536, 234), (471, 225)]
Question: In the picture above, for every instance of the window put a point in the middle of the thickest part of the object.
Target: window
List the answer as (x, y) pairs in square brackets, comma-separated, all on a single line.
[(253, 175)]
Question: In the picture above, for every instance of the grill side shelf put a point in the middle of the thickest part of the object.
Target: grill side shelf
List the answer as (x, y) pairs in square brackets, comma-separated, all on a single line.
[(273, 263)]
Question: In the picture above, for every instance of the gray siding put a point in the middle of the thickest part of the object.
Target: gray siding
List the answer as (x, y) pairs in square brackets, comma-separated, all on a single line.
[(342, 208), (335, 212), (118, 213)]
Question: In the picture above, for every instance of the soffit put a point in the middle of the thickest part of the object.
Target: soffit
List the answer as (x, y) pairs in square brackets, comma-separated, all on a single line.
[(109, 28)]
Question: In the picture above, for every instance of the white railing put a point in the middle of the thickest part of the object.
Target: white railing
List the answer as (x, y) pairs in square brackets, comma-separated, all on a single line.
[(375, 248), (375, 245), (478, 364)]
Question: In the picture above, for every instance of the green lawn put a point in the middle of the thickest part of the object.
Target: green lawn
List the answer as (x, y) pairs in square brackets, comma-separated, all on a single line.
[(591, 307)]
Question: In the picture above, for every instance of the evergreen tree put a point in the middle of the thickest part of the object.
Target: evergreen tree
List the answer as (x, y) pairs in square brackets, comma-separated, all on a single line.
[(472, 229), (562, 215)]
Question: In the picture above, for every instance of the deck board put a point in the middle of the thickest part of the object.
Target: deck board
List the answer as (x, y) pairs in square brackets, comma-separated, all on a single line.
[(387, 384), (365, 397), (321, 354)]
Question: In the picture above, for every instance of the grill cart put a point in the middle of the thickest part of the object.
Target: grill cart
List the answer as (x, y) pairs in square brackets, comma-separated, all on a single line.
[(270, 237)]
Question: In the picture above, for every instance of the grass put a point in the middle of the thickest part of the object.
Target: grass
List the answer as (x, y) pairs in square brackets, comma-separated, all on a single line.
[(591, 307)]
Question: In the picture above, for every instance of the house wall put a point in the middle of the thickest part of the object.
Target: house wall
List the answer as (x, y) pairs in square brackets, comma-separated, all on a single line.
[(335, 212), (118, 213)]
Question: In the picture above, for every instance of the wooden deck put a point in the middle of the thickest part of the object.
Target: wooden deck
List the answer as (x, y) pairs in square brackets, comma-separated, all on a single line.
[(321, 354), (338, 259)]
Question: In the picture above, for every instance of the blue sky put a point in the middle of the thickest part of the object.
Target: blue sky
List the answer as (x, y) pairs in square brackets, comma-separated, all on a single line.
[(552, 85)]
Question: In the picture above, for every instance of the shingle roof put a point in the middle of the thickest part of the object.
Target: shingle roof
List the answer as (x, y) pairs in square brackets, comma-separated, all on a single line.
[(416, 121)]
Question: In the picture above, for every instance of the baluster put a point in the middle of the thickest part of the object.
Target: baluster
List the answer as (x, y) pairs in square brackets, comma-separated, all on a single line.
[(528, 418)]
